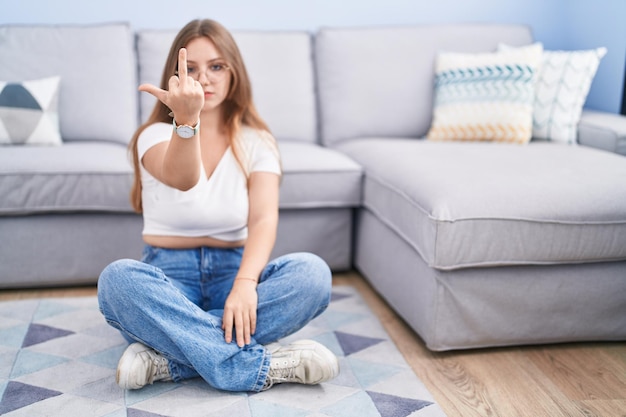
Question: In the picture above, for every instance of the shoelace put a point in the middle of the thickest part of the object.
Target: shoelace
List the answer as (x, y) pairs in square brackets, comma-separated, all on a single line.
[(286, 373), (161, 368), (283, 374)]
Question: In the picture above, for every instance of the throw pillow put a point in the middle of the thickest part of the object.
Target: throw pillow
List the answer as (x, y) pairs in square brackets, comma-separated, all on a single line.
[(485, 96), (29, 112), (563, 84)]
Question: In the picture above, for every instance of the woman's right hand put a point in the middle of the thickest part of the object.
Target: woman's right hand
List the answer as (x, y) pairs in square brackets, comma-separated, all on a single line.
[(185, 96)]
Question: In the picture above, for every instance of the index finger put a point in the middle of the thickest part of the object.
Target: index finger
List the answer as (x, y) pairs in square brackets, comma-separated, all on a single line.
[(182, 63)]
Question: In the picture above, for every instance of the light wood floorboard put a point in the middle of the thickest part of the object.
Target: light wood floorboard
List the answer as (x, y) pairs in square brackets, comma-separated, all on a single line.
[(568, 380)]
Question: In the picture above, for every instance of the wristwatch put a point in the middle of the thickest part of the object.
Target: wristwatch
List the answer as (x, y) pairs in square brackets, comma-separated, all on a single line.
[(186, 131)]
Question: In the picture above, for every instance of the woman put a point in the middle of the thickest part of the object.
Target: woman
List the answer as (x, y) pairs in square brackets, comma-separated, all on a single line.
[(204, 301)]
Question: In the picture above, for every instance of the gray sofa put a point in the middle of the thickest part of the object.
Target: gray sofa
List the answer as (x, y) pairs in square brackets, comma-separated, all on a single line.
[(473, 245), (65, 211)]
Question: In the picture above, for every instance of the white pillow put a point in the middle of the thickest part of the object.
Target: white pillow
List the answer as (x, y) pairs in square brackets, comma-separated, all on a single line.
[(562, 87), (29, 112), (485, 96)]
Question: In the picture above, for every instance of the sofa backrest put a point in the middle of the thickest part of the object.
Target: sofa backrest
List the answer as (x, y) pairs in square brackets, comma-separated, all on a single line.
[(280, 67), (377, 82), (96, 63)]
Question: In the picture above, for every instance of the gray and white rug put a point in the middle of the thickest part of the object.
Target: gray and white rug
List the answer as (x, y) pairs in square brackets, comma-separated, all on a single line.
[(58, 358)]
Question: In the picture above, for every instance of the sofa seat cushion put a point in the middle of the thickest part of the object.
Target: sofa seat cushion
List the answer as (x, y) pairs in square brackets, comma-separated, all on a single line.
[(77, 176), (318, 177), (468, 205), (90, 176)]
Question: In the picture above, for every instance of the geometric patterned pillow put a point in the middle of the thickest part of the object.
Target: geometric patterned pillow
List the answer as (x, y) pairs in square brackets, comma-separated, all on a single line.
[(485, 96), (562, 87), (29, 112)]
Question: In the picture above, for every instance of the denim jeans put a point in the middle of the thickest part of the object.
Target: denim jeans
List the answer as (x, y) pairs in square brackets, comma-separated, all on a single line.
[(173, 300)]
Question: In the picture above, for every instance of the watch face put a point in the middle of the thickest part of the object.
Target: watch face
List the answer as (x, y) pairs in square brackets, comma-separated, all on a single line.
[(185, 131)]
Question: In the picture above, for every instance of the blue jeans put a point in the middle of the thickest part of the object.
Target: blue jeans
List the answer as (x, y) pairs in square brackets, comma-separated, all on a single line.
[(173, 302)]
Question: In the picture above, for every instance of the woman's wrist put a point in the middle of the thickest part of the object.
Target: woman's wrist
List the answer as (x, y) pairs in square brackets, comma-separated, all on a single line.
[(189, 121), (247, 279)]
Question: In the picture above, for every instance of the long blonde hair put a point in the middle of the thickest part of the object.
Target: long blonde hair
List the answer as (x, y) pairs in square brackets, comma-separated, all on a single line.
[(239, 108)]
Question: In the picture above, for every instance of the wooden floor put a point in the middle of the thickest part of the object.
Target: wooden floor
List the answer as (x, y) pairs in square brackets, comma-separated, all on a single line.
[(557, 380)]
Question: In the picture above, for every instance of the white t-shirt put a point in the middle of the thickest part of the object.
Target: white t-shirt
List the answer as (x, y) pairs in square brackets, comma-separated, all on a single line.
[(217, 206)]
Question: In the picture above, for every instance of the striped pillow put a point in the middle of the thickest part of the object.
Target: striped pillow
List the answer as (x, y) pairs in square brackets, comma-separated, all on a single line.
[(485, 96)]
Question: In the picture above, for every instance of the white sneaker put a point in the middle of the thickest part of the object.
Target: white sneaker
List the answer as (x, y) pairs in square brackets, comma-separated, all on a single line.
[(302, 362), (140, 366)]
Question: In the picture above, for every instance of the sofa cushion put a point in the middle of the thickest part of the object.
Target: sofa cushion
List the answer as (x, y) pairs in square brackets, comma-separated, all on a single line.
[(84, 176), (29, 113), (478, 204), (563, 83), (97, 100), (377, 82), (78, 176), (485, 96), (318, 177), (280, 68)]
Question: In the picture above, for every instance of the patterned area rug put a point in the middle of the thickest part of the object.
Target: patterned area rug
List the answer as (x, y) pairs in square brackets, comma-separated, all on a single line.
[(58, 358)]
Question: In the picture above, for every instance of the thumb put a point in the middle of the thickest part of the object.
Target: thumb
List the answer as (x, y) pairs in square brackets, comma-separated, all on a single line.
[(155, 91)]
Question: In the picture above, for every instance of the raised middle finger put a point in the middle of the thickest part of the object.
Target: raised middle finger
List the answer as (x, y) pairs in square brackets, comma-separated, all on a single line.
[(182, 64)]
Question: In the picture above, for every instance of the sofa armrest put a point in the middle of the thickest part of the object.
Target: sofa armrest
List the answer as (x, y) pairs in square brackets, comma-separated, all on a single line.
[(603, 130)]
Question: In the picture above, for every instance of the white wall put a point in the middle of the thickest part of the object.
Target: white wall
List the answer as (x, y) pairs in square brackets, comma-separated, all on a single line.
[(559, 24), (593, 23), (275, 14)]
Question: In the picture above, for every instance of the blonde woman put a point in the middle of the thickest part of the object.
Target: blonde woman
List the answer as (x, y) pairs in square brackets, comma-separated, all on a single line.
[(206, 300)]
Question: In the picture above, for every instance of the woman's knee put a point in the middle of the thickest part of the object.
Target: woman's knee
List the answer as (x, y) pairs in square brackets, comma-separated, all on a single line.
[(316, 274), (124, 285), (123, 279), (316, 283), (116, 274)]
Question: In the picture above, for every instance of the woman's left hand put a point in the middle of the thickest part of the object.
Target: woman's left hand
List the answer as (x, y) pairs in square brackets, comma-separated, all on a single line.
[(240, 312)]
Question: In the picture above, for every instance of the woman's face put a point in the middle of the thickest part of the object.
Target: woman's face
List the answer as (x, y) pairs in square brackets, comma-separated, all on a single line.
[(205, 64)]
